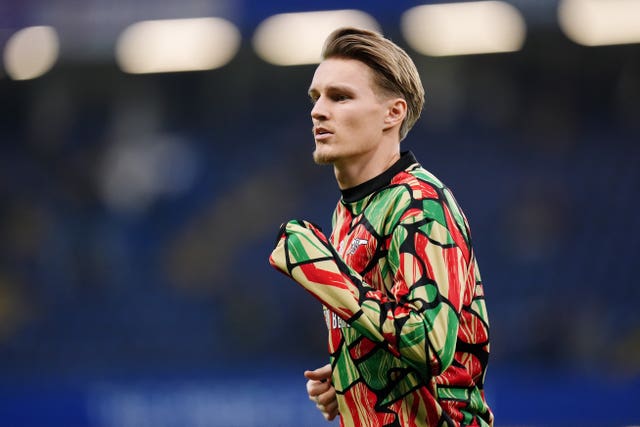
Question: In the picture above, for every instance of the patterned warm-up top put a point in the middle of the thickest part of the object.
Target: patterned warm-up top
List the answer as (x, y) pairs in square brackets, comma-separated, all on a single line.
[(403, 301)]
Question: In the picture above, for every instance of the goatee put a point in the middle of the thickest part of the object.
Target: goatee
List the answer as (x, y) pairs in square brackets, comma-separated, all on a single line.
[(322, 159)]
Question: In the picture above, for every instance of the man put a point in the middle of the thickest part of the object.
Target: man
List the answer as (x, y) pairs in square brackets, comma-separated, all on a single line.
[(398, 279)]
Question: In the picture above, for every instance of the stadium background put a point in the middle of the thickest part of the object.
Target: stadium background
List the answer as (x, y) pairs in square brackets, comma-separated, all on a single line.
[(137, 213)]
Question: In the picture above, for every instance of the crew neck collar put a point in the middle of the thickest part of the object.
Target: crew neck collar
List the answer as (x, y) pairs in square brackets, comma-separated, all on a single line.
[(353, 194)]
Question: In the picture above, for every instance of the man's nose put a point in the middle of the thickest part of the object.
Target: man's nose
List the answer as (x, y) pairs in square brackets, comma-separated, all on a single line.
[(319, 110)]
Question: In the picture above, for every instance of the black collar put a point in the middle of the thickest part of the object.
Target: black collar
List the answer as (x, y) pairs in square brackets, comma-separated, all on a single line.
[(353, 194)]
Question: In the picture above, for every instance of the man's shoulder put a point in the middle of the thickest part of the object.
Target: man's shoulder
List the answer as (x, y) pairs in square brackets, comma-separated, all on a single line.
[(418, 182)]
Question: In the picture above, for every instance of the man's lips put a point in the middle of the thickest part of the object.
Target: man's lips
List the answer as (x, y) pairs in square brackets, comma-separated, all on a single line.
[(321, 133)]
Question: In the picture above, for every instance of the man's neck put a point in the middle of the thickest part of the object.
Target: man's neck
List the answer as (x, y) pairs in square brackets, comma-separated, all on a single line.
[(352, 172)]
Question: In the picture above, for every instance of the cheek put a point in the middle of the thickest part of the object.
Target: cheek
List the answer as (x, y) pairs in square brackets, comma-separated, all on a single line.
[(361, 121)]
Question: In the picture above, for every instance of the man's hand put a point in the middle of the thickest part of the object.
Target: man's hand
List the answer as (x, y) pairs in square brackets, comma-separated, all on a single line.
[(321, 391)]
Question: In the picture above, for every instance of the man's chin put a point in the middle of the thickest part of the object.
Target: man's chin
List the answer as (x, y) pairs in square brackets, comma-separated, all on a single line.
[(323, 158)]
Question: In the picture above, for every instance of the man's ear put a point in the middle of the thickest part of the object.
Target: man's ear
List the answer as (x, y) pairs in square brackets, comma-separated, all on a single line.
[(396, 112)]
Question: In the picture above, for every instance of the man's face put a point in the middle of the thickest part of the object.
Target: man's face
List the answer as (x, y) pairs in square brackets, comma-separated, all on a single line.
[(348, 114)]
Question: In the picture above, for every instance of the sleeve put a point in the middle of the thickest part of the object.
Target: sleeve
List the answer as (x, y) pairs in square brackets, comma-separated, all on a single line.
[(420, 322)]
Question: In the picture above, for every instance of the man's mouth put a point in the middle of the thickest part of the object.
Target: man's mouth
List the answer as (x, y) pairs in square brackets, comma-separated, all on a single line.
[(320, 133)]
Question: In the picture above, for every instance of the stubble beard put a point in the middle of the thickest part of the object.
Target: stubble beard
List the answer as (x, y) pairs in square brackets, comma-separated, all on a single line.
[(321, 158)]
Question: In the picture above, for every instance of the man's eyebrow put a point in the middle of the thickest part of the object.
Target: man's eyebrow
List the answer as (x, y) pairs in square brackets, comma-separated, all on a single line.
[(332, 87), (340, 87)]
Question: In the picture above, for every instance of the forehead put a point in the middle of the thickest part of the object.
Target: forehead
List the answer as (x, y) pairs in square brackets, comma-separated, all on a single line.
[(342, 72)]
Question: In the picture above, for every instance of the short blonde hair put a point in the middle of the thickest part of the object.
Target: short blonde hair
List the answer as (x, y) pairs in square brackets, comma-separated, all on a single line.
[(394, 71)]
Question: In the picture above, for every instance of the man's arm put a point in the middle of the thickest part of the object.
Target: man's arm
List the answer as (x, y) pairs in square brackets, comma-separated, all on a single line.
[(420, 322)]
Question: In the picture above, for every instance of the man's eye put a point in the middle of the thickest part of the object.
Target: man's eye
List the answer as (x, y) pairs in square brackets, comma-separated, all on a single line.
[(341, 97)]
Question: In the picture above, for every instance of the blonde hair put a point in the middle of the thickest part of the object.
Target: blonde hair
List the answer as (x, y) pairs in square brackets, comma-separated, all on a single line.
[(394, 71)]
